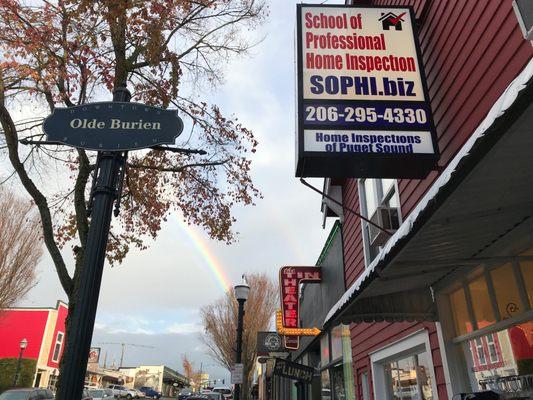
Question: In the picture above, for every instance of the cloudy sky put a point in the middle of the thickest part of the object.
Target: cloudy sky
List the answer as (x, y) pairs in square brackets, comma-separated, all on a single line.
[(153, 298)]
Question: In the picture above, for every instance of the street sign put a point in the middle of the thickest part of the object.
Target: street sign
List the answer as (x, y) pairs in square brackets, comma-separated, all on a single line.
[(237, 374), (293, 370), (363, 103), (113, 126)]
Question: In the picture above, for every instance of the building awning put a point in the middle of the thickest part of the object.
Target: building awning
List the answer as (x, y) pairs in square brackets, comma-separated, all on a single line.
[(478, 209)]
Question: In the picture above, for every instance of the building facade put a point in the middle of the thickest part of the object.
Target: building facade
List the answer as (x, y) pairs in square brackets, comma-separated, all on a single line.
[(441, 305), (159, 377), (44, 329)]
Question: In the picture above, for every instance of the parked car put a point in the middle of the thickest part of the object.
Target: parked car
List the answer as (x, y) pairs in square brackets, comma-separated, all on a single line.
[(225, 391), (100, 394), (184, 393), (86, 395), (150, 392), (215, 396), (196, 396), (120, 391), (139, 394), (27, 394)]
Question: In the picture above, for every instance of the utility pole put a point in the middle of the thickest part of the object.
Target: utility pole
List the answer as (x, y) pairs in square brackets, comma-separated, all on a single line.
[(109, 174)]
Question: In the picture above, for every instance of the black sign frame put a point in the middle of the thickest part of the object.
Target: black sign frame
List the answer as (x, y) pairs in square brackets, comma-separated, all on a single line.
[(360, 165), (97, 129)]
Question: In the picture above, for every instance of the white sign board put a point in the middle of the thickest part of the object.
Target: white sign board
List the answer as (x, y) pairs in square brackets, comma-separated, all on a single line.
[(362, 96), (237, 374)]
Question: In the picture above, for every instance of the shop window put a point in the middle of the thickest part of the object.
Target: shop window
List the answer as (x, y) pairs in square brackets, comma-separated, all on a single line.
[(57, 347), (408, 379), (337, 377), (380, 203), (506, 290), (336, 342), (404, 371), (326, 386), (339, 384), (365, 387), (526, 268), (481, 303), (460, 312), (502, 361)]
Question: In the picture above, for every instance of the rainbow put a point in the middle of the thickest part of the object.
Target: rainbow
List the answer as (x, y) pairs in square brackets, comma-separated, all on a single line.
[(213, 265)]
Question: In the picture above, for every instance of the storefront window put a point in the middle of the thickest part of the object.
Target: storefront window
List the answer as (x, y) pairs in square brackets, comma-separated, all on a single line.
[(337, 376), (502, 361), (506, 289), (526, 267), (460, 312), (326, 387), (409, 378), (365, 387), (481, 303), (324, 350), (342, 377), (336, 342)]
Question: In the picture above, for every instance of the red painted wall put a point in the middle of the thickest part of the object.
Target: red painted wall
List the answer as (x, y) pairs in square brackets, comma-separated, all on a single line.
[(59, 327), (16, 325), (471, 51)]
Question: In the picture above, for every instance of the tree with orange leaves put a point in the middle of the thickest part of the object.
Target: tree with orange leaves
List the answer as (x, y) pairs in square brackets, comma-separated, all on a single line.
[(65, 53)]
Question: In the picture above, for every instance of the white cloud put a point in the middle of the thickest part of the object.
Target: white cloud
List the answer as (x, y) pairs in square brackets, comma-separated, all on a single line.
[(184, 328)]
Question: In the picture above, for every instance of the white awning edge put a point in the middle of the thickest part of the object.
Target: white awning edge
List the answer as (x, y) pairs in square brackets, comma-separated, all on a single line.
[(499, 108)]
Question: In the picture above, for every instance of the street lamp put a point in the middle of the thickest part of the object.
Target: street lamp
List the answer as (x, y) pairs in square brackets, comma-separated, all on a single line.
[(23, 345), (241, 294)]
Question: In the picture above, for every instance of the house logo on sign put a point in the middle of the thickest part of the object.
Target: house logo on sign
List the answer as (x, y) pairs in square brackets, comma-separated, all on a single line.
[(390, 19)]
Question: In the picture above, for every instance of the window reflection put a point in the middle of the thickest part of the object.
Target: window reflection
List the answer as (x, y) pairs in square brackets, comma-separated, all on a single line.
[(506, 289), (460, 312), (503, 361), (326, 387), (409, 378), (481, 303)]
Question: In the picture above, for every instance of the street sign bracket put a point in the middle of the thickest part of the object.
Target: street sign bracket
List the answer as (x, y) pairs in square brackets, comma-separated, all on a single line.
[(158, 147)]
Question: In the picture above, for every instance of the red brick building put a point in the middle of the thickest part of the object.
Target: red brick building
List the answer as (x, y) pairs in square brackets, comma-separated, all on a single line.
[(44, 329)]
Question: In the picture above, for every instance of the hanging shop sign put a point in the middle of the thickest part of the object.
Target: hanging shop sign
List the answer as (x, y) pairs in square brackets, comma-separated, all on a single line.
[(293, 370), (289, 279), (269, 343), (363, 104), (113, 126)]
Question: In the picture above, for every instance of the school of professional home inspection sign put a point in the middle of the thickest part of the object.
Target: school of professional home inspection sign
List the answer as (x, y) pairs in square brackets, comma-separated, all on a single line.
[(363, 106), (113, 126)]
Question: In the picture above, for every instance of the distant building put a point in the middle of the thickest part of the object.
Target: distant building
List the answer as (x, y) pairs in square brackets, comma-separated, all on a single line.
[(159, 377), (44, 329)]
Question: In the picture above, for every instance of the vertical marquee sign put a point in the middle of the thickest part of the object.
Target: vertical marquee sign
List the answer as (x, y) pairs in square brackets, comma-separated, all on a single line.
[(289, 281), (363, 104)]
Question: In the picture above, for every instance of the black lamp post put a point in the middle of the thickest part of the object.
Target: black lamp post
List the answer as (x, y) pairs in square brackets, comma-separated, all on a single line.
[(23, 345), (241, 294)]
